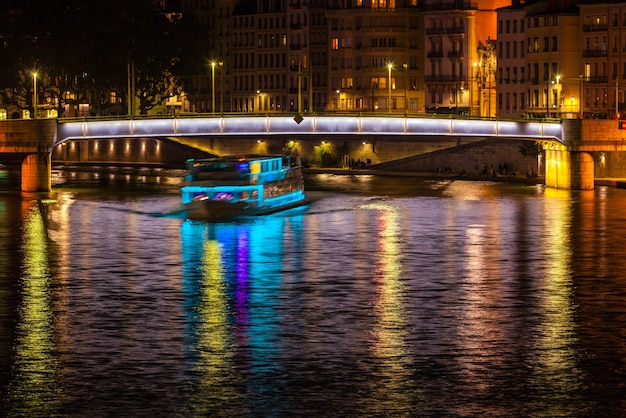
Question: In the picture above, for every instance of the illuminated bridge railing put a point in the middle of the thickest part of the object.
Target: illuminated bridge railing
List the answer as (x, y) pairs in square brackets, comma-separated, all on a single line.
[(310, 125)]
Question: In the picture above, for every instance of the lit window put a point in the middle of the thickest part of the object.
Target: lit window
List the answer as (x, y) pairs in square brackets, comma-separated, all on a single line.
[(335, 43)]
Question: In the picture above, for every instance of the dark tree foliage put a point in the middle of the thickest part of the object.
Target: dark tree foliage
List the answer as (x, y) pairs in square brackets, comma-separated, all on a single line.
[(529, 149), (85, 48)]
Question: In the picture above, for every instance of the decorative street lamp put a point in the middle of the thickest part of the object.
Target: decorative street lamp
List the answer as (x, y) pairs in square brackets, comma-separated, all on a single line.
[(558, 95), (580, 102), (221, 64), (389, 66), (471, 86), (406, 85), (213, 86), (34, 95)]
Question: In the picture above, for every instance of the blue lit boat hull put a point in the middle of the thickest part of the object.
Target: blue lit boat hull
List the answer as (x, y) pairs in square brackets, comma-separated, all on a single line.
[(227, 187), (219, 210)]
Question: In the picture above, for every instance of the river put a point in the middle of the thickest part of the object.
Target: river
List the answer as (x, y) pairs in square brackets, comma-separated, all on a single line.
[(386, 296)]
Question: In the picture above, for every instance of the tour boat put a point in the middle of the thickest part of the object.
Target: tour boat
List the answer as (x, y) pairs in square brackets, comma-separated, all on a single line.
[(223, 187)]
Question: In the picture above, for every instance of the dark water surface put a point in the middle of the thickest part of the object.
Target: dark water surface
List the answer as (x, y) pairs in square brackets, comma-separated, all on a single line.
[(384, 297)]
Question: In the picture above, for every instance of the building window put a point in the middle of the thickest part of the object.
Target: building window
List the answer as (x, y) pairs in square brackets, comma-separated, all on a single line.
[(335, 43)]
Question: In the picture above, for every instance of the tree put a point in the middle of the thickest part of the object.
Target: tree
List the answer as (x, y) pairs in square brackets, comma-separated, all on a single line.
[(83, 55)]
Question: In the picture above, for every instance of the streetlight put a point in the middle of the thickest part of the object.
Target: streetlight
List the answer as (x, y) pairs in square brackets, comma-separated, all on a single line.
[(548, 99), (213, 86), (473, 68), (221, 64), (34, 95), (406, 85), (260, 107), (558, 95), (580, 103), (389, 66)]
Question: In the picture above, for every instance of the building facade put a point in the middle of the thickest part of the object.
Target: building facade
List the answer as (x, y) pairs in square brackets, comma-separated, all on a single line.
[(552, 60), (511, 53), (459, 71), (375, 56), (603, 68), (478, 58)]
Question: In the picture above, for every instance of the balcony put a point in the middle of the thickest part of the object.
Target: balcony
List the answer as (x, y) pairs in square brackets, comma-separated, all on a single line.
[(435, 54), (455, 54), (435, 31), (596, 28), (450, 5), (598, 79), (457, 30), (594, 53), (445, 79)]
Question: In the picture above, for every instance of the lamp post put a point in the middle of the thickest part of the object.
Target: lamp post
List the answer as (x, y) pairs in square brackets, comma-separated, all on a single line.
[(547, 100), (34, 95), (213, 86), (616, 98), (299, 87), (471, 86), (389, 66), (580, 104), (558, 96), (406, 85), (221, 64)]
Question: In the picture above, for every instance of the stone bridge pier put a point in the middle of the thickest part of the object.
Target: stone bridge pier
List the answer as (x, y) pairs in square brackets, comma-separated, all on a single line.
[(571, 165), (28, 144)]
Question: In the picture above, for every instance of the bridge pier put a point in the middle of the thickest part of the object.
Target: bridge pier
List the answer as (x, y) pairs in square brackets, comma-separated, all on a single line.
[(36, 172), (567, 169)]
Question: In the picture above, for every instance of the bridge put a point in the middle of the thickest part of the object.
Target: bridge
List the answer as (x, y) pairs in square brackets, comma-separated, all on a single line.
[(311, 125), (568, 162)]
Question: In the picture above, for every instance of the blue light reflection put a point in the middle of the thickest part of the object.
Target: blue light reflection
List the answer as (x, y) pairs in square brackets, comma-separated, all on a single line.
[(240, 265)]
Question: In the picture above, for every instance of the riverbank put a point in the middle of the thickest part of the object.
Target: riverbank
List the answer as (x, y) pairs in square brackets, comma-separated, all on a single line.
[(619, 183), (611, 182), (435, 176)]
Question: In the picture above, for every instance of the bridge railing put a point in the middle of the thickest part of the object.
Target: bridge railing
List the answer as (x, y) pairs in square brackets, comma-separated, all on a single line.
[(311, 124), (393, 114)]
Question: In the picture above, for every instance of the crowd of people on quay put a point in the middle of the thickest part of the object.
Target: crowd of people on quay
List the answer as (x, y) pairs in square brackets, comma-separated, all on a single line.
[(359, 164)]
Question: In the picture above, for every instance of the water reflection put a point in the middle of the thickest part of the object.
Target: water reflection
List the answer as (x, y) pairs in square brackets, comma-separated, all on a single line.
[(556, 369), (393, 387), (441, 299), (35, 364), (234, 304)]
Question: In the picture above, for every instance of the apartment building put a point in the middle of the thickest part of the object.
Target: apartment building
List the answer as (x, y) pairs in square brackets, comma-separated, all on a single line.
[(208, 91), (375, 55), (511, 58), (603, 69), (459, 72), (552, 59), (511, 69)]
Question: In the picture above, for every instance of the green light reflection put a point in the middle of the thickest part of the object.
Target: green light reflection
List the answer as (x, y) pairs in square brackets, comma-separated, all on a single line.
[(34, 389)]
